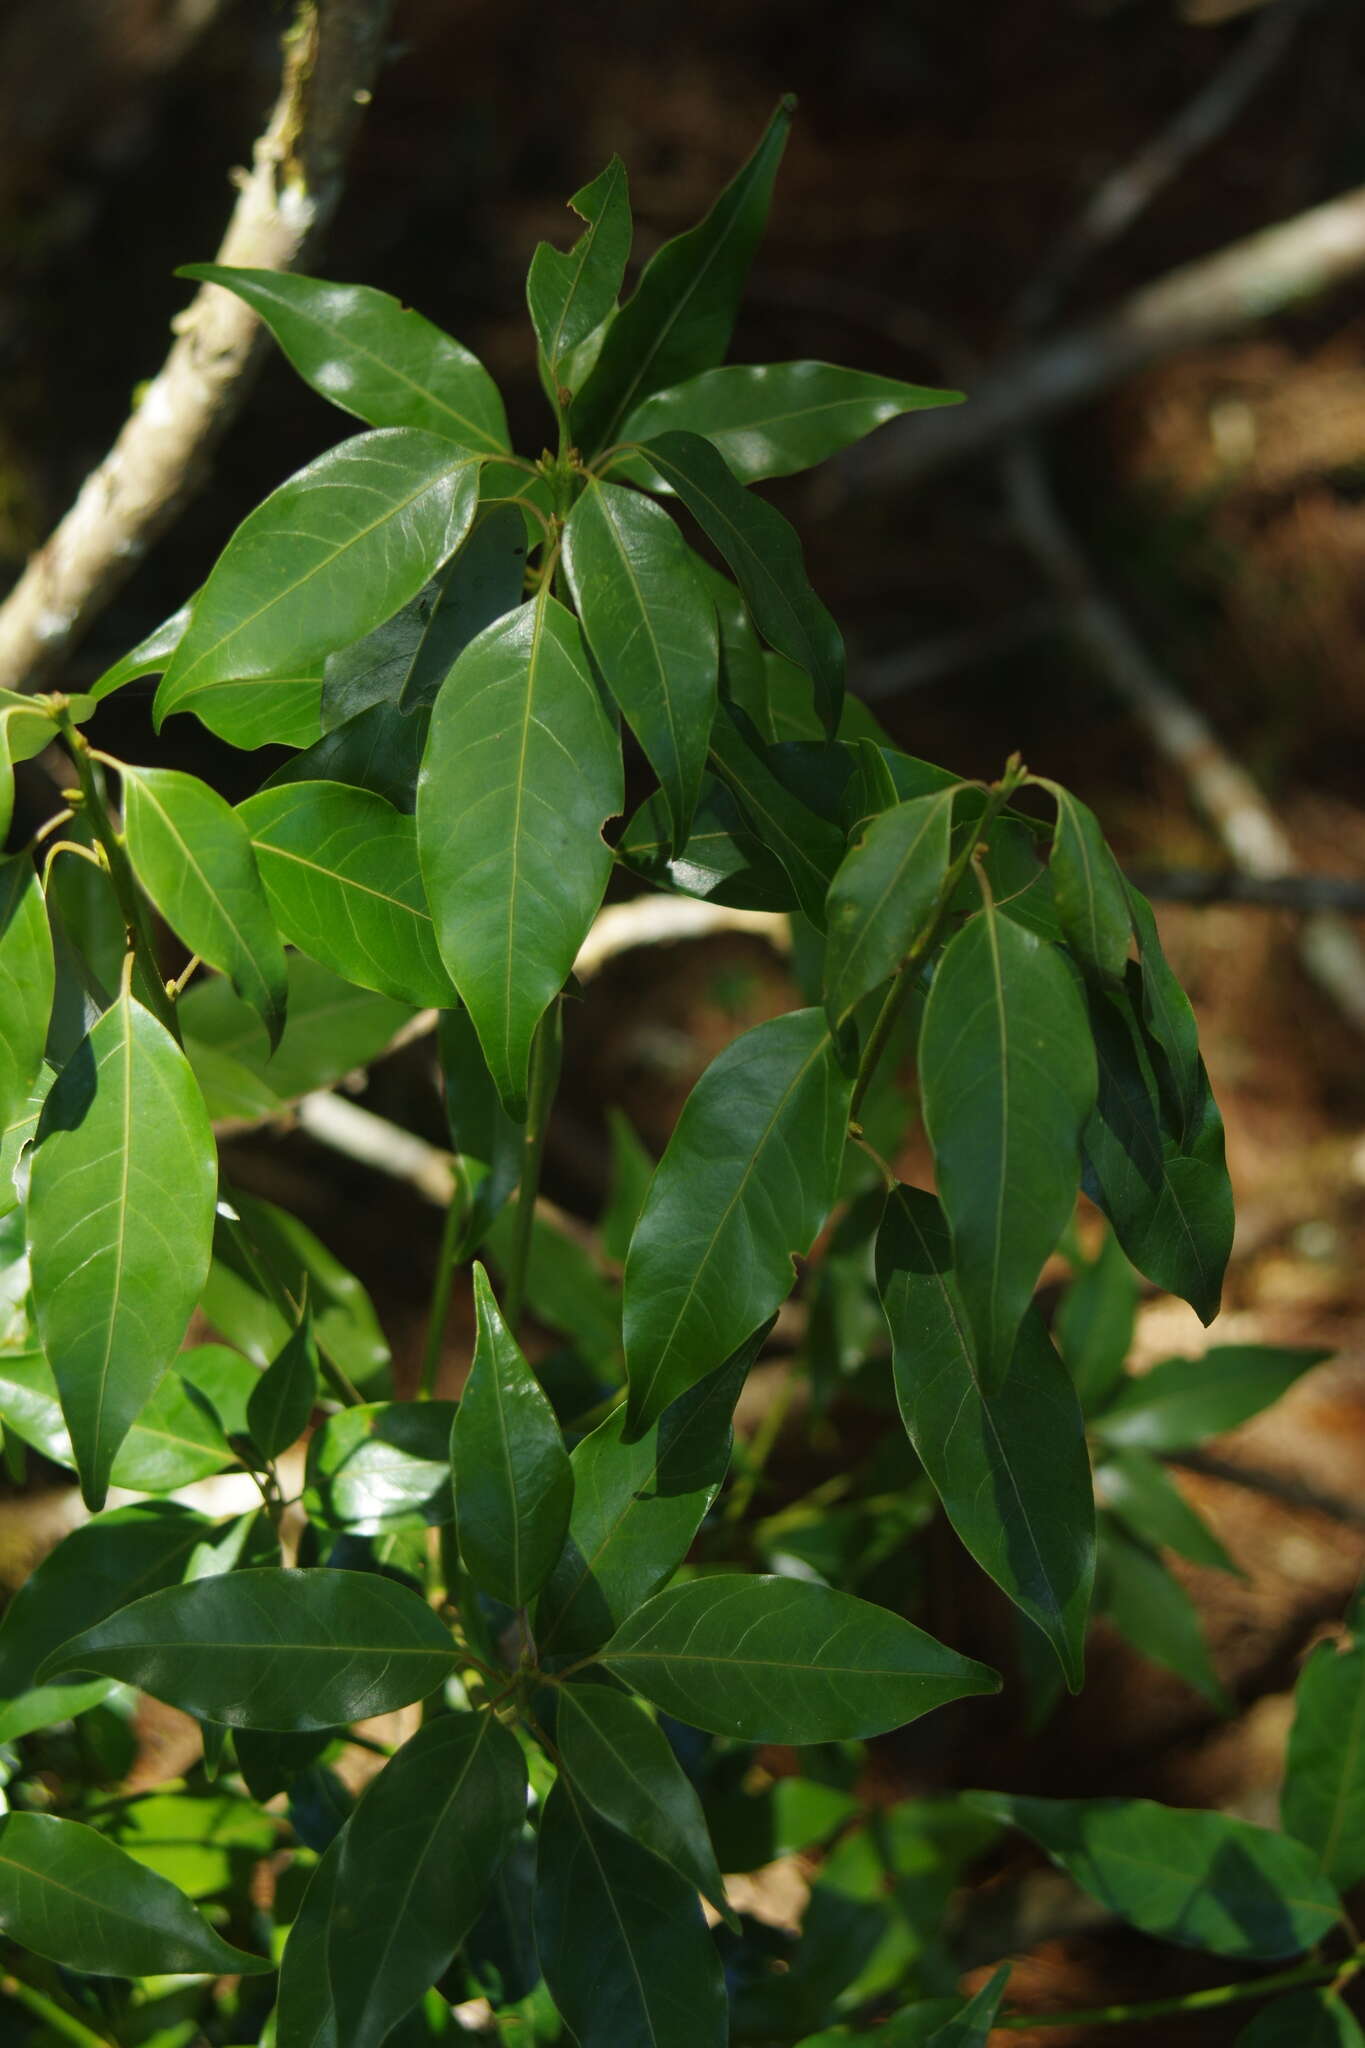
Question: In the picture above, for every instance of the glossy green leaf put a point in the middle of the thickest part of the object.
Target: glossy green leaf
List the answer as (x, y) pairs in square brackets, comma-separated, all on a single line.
[(513, 1480), (1007, 1079), (882, 895), (1152, 1611), (174, 1441), (784, 1660), (111, 1559), (150, 657), (1093, 1326), (28, 978), (44, 1706), (272, 1648), (340, 869), (383, 1466), (1323, 1800), (679, 318), (766, 557), (379, 750), (74, 1897), (808, 846), (1090, 892), (1010, 1465), (371, 355), (746, 1184), (120, 1221), (1204, 1880), (724, 860), (283, 1397), (277, 711), (194, 858), (305, 2015), (623, 1766), (1183, 1400), (414, 1865), (243, 1306), (522, 769), (26, 728), (1141, 1493), (771, 419), (625, 1950), (1303, 2019), (652, 632), (632, 1170), (328, 555), (570, 292), (636, 1509)]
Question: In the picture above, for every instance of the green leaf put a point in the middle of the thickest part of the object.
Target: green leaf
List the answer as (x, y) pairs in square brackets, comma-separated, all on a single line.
[(522, 769), (971, 2028), (513, 1480), (772, 419), (1088, 887), (625, 1950), (379, 750), (1323, 1800), (193, 857), (622, 1764), (120, 1221), (1009, 1465), (480, 1128), (784, 1660), (882, 895), (1172, 1033), (28, 980), (70, 1895), (681, 314), (111, 1559), (202, 1845), (746, 1183), (1093, 1326), (282, 1399), (1183, 1400), (174, 1441), (1203, 1880), (415, 1861), (652, 631), (370, 355), (279, 711), (331, 553), (288, 1650), (724, 860), (763, 551), (632, 1170), (1007, 1079), (809, 846), (1154, 1613), (244, 1309), (149, 657), (305, 2015), (636, 1509), (46, 1705), (1305, 2019), (26, 727), (571, 292), (1144, 1497), (383, 1466), (340, 869)]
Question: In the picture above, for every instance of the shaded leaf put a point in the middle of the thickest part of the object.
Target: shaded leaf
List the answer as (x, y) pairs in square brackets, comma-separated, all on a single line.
[(1145, 1498), (882, 895), (1089, 889), (175, 1440), (632, 1170), (809, 846), (571, 292), (724, 861), (1094, 1323), (28, 979), (1173, 1035), (1305, 2019), (383, 1466), (1154, 1613), (282, 1399), (971, 2028), (379, 750), (480, 1129), (1183, 1400), (240, 1303), (1323, 1800)]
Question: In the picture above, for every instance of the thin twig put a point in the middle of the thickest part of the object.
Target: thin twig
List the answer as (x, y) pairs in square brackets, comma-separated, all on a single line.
[(159, 459), (1300, 893)]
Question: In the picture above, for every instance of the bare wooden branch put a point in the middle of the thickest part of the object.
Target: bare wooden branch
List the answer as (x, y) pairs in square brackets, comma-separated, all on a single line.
[(159, 459)]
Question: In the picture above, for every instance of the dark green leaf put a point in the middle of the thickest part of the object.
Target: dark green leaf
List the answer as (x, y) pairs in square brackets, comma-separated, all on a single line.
[(882, 895), (1172, 1032), (270, 1763), (120, 1221), (25, 729), (70, 1895), (382, 1466), (241, 1305), (194, 858), (809, 847), (632, 1170), (566, 1288), (765, 555), (174, 1441), (379, 750), (282, 1399), (652, 631), (1091, 896), (1010, 1466), (746, 1183), (522, 769), (28, 978), (680, 316), (972, 2027), (784, 1660), (415, 1862), (370, 355), (1144, 1497), (272, 1648), (1305, 2019), (623, 1766), (1201, 1879), (636, 1508), (771, 419), (1153, 1612), (1183, 1400), (1094, 1323), (305, 2015), (513, 1480), (1323, 1801), (625, 1950), (331, 553), (481, 1131), (571, 293), (340, 869), (150, 657), (724, 860), (1007, 1078)]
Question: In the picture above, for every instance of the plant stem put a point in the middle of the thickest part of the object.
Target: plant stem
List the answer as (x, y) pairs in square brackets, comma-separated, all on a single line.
[(452, 1231), (1194, 2001), (545, 1053), (51, 2014), (997, 796)]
